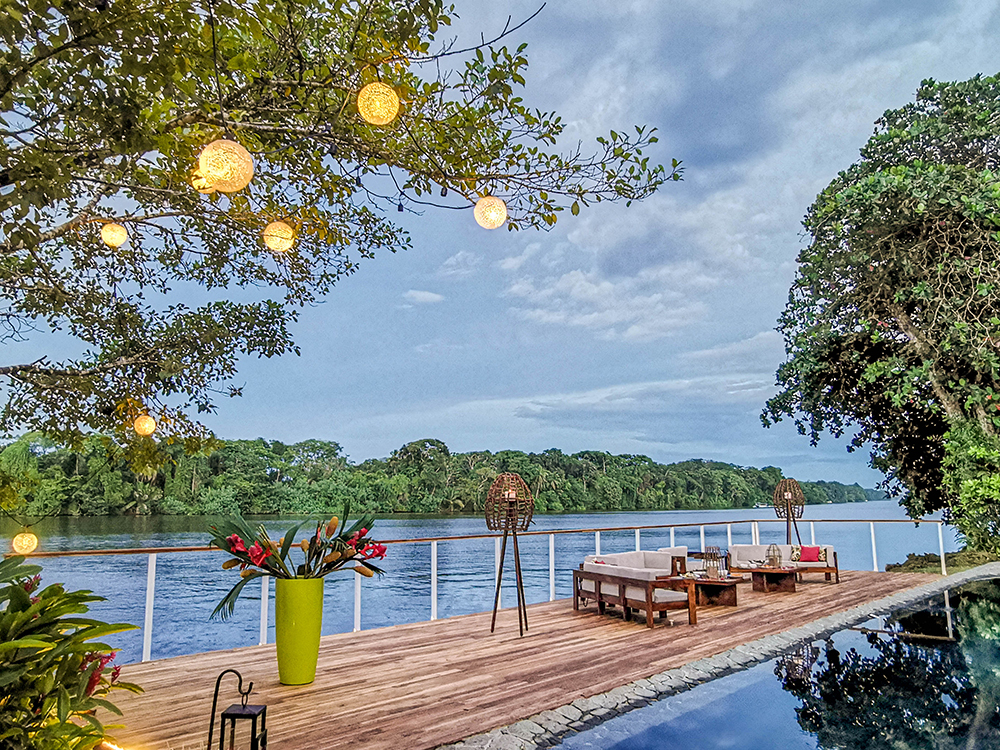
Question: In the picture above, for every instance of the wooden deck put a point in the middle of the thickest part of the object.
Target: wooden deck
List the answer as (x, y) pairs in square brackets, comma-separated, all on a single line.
[(422, 685)]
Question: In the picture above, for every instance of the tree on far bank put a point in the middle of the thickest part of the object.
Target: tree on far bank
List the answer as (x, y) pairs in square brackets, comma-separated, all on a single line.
[(892, 326), (104, 108)]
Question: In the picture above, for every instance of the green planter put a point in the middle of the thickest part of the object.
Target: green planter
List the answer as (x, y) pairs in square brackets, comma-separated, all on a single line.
[(298, 620)]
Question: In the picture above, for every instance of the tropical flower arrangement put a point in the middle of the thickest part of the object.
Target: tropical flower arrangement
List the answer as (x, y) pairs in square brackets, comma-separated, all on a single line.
[(332, 547)]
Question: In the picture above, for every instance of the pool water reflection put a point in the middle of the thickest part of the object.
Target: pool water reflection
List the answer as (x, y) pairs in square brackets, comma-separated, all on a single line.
[(884, 690)]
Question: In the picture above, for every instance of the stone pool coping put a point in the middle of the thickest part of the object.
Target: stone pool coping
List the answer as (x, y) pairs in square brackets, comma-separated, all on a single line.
[(548, 728)]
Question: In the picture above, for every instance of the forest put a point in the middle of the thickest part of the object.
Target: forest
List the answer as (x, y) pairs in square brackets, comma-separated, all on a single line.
[(424, 476)]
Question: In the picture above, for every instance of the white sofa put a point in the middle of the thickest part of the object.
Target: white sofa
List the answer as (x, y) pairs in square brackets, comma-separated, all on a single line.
[(687, 562), (742, 557), (634, 580)]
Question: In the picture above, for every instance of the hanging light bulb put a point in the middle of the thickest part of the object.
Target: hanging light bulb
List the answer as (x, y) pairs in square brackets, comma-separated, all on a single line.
[(24, 543), (114, 235), (378, 103), (225, 165), (490, 212), (278, 236), (144, 425)]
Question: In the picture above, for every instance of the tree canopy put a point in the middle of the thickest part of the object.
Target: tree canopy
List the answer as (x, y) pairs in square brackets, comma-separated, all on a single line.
[(424, 476), (104, 107), (892, 325)]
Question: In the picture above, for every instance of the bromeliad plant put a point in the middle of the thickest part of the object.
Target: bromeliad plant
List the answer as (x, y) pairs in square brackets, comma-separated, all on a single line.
[(328, 550)]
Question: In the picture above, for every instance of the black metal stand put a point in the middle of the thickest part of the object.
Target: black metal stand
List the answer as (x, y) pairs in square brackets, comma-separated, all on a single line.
[(522, 606)]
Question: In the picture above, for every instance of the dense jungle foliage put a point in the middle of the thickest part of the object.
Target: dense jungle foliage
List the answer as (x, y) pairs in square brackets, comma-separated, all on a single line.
[(260, 476)]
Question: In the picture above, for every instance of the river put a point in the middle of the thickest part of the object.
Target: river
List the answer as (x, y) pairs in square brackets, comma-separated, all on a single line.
[(188, 585)]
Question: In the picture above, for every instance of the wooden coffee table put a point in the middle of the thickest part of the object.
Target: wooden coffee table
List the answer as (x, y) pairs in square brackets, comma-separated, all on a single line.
[(772, 579), (712, 591)]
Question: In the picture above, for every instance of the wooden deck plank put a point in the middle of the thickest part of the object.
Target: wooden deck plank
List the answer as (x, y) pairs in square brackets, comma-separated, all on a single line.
[(425, 684)]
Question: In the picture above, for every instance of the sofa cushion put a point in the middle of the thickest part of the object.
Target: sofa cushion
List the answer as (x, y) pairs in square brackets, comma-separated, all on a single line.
[(639, 574), (635, 593), (679, 551), (807, 554), (660, 559), (627, 559), (747, 555)]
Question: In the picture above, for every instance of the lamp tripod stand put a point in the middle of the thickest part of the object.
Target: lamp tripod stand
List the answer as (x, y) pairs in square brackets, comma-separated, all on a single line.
[(509, 506)]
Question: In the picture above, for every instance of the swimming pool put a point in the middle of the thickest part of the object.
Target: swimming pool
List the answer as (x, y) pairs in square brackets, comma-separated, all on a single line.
[(925, 677)]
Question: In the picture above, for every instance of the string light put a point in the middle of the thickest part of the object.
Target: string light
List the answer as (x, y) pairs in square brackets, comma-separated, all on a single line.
[(24, 543), (224, 165), (490, 212), (278, 236), (114, 235), (378, 103), (144, 425)]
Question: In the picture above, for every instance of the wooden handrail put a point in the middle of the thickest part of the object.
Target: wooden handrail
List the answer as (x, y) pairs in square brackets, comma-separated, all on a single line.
[(424, 540)]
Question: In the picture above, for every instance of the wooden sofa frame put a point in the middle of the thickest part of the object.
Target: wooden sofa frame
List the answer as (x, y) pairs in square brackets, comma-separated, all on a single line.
[(831, 572), (627, 605)]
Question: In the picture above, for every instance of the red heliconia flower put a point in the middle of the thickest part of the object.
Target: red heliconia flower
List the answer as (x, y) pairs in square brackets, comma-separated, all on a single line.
[(95, 677), (116, 673), (258, 554), (236, 544), (373, 550)]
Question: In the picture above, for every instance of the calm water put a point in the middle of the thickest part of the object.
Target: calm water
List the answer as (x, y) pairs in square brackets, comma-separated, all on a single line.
[(188, 585), (853, 691)]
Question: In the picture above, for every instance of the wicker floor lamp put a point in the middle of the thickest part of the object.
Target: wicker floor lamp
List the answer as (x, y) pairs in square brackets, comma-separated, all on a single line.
[(509, 507)]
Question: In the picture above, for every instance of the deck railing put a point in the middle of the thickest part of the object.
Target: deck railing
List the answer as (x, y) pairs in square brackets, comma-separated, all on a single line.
[(152, 552)]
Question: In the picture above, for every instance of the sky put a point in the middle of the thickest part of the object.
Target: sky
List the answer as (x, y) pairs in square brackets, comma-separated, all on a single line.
[(647, 329)]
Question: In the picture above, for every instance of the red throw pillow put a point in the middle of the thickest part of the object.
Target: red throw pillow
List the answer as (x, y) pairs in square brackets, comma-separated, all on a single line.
[(809, 554)]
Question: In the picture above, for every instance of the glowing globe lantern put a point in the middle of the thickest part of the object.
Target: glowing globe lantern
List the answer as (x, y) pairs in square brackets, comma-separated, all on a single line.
[(24, 543), (114, 235), (279, 237), (224, 165), (490, 212), (201, 184), (144, 425), (378, 103)]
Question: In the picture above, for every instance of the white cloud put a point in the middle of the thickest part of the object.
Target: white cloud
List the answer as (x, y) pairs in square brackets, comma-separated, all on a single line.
[(422, 298), (460, 265)]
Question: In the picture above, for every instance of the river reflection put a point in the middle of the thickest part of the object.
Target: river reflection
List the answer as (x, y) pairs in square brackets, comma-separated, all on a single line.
[(188, 585)]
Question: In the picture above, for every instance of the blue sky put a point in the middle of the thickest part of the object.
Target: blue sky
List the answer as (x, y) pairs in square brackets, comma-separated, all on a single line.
[(633, 330)]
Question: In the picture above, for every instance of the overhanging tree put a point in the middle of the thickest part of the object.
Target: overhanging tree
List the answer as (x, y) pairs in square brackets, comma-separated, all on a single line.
[(104, 108), (893, 321)]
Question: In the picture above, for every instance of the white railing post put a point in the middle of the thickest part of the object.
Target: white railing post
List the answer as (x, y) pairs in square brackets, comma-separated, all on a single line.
[(812, 533), (944, 568), (874, 551), (434, 580), (357, 602), (552, 567), (638, 545), (264, 586), (701, 530), (947, 611), (672, 537), (729, 535), (496, 571), (754, 533), (147, 622), (597, 542)]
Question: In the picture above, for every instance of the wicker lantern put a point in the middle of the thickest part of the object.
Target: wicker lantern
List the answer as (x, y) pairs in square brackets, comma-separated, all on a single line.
[(144, 425), (378, 103), (773, 556), (490, 212), (225, 166), (24, 543), (279, 237), (114, 235), (713, 560)]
